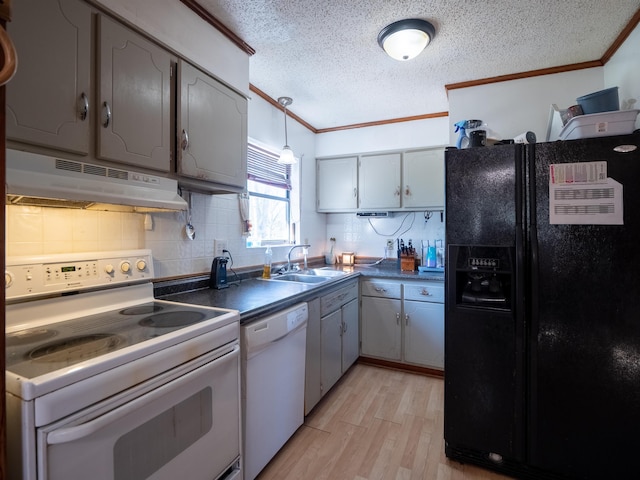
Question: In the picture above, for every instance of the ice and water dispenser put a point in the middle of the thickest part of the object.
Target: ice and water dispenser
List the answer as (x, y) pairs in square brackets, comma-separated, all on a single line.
[(483, 276)]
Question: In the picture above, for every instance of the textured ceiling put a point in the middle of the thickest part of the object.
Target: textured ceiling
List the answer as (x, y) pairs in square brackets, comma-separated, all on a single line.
[(324, 53)]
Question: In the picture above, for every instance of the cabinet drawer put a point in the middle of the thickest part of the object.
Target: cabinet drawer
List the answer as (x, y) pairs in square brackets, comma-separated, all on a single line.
[(381, 288), (334, 300), (424, 292)]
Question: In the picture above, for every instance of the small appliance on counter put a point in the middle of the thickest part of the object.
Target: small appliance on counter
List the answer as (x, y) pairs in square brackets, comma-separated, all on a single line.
[(218, 278)]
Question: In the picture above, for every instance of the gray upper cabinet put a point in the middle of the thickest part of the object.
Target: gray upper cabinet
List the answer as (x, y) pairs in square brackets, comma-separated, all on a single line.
[(212, 130), (392, 181), (423, 178), (337, 184), (379, 181), (134, 84), (49, 100), (88, 85)]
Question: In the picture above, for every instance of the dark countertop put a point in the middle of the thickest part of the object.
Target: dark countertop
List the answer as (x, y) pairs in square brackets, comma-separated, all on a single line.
[(255, 297)]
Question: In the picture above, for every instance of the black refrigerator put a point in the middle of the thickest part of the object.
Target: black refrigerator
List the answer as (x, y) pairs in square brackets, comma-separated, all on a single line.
[(542, 317)]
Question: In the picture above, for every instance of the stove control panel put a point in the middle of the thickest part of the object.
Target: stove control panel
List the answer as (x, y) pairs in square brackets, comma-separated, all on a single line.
[(48, 274)]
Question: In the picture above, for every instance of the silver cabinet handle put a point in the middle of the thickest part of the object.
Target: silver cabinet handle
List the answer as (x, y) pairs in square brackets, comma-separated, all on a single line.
[(106, 114), (426, 293), (397, 319), (344, 327), (406, 319), (380, 289), (355, 192), (184, 142), (83, 107), (407, 191), (397, 192)]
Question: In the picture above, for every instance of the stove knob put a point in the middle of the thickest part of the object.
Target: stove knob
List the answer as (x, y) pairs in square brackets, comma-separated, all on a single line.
[(141, 265), (109, 269), (125, 267)]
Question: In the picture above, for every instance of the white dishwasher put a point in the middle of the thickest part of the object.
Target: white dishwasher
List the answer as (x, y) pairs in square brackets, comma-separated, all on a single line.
[(273, 366)]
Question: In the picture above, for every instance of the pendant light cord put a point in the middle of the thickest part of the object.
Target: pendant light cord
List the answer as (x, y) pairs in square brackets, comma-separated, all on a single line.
[(286, 139)]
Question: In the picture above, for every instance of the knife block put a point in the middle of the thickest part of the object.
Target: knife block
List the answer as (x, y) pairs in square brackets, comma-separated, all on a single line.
[(407, 263)]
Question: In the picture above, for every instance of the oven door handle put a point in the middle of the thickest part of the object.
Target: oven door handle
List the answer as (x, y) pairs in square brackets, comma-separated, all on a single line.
[(70, 434)]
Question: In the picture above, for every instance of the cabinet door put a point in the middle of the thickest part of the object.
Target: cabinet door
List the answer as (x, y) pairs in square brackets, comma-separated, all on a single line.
[(423, 179), (134, 76), (331, 349), (381, 329), (350, 334), (379, 181), (312, 381), (49, 98), (212, 129), (337, 184), (424, 333)]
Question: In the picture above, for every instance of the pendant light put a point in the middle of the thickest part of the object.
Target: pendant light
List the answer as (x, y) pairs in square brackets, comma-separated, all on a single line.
[(405, 39), (286, 156)]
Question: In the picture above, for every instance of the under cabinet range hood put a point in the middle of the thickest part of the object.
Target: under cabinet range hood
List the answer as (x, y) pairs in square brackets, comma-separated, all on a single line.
[(42, 180)]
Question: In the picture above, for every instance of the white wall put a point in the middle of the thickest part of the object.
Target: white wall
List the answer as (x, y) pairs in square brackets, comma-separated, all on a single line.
[(516, 106), (404, 135), (623, 71)]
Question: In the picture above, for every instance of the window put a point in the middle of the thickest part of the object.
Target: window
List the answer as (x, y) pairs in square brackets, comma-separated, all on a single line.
[(269, 187)]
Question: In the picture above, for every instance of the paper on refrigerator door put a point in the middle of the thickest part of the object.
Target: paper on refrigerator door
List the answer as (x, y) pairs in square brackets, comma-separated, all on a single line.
[(582, 194)]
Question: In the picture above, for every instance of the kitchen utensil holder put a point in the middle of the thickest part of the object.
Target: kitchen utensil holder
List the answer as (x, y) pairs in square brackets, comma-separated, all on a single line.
[(407, 263)]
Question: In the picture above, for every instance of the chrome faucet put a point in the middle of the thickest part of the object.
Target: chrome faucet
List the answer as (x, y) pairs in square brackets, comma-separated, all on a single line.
[(305, 246)]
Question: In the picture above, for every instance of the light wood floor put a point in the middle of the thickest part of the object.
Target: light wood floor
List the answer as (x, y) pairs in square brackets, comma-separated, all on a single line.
[(375, 423)]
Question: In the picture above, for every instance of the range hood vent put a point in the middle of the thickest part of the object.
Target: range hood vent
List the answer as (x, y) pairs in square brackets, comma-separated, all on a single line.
[(42, 180)]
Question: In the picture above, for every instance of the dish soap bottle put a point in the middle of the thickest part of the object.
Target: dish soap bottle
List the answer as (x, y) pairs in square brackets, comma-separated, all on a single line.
[(266, 269)]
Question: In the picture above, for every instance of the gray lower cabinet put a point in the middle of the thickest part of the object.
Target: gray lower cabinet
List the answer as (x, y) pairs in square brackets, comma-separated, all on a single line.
[(403, 321), (212, 130), (332, 340), (49, 100)]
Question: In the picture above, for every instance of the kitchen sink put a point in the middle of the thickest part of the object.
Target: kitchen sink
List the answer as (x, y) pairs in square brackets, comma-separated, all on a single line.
[(301, 278), (312, 275), (327, 272)]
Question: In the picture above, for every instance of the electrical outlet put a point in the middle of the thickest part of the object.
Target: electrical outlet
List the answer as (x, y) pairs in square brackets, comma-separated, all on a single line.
[(389, 243), (218, 247)]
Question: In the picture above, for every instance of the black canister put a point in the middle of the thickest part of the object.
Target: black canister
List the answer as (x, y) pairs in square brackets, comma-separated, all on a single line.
[(477, 138)]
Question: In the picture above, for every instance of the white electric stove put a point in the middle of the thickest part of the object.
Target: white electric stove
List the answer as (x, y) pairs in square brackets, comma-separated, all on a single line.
[(92, 359)]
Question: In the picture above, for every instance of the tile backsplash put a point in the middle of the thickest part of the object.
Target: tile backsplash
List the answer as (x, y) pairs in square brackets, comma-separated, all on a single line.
[(45, 230), (367, 236)]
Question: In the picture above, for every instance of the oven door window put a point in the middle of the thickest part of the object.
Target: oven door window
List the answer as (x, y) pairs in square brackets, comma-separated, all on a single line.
[(186, 428)]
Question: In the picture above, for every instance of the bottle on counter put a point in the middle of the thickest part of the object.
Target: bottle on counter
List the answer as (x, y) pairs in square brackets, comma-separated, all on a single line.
[(266, 269)]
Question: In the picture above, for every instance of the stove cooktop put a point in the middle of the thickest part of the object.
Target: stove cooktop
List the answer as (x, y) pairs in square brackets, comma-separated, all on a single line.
[(36, 351)]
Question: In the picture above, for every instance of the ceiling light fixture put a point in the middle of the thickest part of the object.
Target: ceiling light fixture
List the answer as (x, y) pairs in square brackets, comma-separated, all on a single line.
[(286, 156), (405, 39)]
